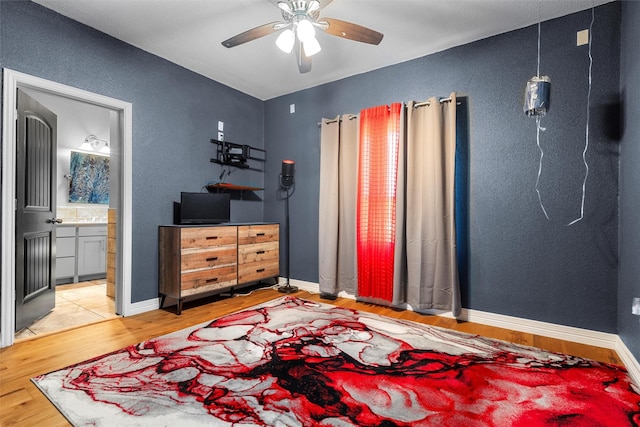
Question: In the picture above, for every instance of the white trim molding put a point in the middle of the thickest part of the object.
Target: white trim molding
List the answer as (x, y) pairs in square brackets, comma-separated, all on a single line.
[(11, 81), (567, 333), (630, 362), (144, 306)]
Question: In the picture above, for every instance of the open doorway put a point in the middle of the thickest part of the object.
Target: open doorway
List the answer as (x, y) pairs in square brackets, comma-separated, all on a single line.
[(120, 120), (86, 200)]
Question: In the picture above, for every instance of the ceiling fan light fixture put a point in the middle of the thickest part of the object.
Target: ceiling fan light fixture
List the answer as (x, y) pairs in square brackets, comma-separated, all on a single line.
[(313, 6), (286, 40), (284, 6), (297, 30), (311, 46), (305, 30)]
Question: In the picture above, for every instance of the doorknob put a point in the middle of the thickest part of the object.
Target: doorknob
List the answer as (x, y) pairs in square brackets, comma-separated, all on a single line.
[(54, 220)]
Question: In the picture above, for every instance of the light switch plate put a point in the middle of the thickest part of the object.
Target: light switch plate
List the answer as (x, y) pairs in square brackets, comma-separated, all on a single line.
[(221, 126), (582, 37)]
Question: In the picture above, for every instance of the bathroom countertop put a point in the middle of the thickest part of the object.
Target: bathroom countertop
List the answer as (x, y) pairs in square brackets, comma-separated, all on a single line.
[(70, 223)]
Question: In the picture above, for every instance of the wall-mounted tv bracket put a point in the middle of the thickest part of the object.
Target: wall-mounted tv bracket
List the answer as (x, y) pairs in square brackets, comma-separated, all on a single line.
[(237, 155)]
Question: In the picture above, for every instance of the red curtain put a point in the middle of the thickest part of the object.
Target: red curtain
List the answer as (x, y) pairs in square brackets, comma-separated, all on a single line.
[(376, 208)]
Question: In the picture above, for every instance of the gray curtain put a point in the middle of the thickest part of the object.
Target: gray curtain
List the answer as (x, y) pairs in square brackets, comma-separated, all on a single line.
[(432, 273), (426, 274), (337, 219)]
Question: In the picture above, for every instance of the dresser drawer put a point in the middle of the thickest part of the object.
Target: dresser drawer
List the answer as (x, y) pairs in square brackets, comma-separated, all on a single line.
[(258, 252), (65, 267), (255, 271), (203, 260), (65, 247), (205, 237), (208, 279), (248, 234), (66, 231), (92, 230), (193, 259)]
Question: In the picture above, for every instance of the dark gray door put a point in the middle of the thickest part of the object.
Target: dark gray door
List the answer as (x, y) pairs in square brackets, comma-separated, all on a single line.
[(35, 213)]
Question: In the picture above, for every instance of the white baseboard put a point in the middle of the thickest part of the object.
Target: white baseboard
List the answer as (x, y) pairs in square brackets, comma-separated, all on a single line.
[(551, 330), (143, 306), (310, 287), (567, 333), (630, 362)]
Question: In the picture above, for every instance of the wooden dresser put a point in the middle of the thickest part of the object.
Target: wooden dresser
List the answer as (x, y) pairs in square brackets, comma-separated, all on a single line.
[(204, 260)]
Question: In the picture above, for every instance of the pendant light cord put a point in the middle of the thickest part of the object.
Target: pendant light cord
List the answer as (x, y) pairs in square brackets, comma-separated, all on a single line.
[(538, 129), (538, 69), (586, 142)]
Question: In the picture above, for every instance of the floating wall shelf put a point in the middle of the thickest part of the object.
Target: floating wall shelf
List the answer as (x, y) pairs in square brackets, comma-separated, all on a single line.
[(219, 188), (237, 155)]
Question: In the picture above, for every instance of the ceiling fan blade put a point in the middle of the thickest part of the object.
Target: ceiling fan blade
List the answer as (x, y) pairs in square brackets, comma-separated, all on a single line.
[(351, 31), (304, 62), (252, 34)]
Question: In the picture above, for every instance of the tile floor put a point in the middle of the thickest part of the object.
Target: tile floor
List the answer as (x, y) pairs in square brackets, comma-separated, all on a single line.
[(76, 304)]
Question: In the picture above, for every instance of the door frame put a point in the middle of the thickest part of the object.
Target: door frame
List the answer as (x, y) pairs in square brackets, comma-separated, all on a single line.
[(11, 81)]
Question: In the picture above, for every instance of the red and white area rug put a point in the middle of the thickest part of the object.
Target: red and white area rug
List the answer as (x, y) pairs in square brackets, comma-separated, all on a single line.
[(292, 362)]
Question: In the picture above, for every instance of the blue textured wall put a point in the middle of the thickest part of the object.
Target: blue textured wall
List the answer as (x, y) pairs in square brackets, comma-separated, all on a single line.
[(175, 113), (520, 263), (629, 274)]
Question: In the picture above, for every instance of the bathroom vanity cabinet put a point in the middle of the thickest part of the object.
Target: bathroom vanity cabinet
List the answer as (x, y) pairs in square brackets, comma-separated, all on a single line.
[(81, 252)]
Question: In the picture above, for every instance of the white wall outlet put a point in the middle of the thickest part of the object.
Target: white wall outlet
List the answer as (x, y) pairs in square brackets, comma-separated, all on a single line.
[(292, 108), (635, 308), (220, 136), (220, 126), (582, 37)]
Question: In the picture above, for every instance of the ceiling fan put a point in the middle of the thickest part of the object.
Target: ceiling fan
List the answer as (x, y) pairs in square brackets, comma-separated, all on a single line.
[(297, 31)]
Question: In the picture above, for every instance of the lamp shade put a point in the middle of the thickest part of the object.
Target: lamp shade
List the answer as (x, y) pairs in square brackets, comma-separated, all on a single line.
[(311, 46), (305, 30), (285, 41), (288, 170)]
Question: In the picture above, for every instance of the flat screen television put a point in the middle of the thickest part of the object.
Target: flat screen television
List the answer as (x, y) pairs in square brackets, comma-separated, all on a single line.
[(202, 208)]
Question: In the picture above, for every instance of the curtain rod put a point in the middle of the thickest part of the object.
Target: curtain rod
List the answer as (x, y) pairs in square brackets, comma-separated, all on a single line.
[(351, 117), (416, 105), (426, 103)]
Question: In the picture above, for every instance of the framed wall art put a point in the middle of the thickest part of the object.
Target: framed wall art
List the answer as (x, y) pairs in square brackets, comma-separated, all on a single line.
[(89, 181)]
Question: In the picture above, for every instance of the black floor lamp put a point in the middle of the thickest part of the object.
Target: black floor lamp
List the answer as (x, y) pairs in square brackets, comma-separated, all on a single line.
[(286, 183)]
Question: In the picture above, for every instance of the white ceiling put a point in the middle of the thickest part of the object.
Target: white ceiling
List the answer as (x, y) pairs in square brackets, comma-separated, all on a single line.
[(189, 33)]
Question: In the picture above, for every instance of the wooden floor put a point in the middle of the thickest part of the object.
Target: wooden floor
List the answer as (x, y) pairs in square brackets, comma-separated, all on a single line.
[(22, 404)]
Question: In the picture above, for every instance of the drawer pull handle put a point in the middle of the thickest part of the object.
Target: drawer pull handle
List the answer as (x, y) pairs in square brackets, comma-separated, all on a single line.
[(260, 252), (260, 270), (212, 258), (259, 234), (212, 237), (215, 279)]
